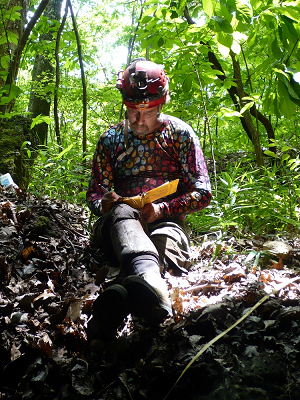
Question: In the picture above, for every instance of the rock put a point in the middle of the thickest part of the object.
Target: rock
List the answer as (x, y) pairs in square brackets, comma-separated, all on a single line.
[(279, 249)]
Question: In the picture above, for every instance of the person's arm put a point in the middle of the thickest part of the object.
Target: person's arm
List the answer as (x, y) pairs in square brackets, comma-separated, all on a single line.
[(99, 191), (195, 179)]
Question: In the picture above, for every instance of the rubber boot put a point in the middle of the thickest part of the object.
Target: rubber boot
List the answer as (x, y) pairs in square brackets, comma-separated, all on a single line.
[(128, 235)]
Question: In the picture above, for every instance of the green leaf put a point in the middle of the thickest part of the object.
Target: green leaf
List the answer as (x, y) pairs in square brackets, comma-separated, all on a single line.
[(277, 53), (4, 100), (228, 83), (285, 105), (227, 112), (82, 195), (10, 92), (252, 39), (286, 148), (268, 17), (12, 37), (289, 11), (3, 39), (256, 4), (271, 153), (222, 25), (64, 152), (285, 157), (4, 62), (146, 19), (224, 39), (208, 7), (150, 11), (160, 42), (40, 119), (217, 251), (17, 8), (292, 87), (251, 255), (289, 28), (246, 107), (168, 44), (263, 66), (187, 84), (243, 13)]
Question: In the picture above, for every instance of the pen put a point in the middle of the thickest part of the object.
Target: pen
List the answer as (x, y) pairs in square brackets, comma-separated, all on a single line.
[(103, 188)]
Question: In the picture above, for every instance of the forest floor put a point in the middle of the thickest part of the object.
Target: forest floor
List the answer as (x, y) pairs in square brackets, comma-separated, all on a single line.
[(49, 277)]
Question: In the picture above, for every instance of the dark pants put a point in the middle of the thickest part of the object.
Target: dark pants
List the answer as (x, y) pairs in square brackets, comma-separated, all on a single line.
[(121, 234), (142, 249)]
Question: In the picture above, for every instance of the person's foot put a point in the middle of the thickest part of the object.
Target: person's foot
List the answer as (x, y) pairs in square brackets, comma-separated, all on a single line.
[(109, 311), (144, 301)]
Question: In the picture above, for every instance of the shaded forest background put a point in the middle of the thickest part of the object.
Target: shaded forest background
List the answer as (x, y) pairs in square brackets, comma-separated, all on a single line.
[(233, 76)]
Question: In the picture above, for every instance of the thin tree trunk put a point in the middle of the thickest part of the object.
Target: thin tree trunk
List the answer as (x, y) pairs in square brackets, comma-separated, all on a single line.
[(10, 25), (43, 75), (84, 101), (131, 45), (247, 115), (57, 76)]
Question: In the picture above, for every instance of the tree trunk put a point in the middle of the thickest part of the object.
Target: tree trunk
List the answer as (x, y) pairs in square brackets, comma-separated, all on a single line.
[(8, 96), (247, 115), (10, 23), (43, 75)]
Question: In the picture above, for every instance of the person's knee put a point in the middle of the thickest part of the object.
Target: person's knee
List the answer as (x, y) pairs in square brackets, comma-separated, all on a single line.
[(124, 211)]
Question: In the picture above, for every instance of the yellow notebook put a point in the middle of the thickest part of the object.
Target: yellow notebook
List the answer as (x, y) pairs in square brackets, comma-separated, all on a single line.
[(149, 197)]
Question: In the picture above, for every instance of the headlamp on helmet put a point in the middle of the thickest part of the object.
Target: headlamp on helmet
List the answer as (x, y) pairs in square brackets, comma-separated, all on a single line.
[(143, 84)]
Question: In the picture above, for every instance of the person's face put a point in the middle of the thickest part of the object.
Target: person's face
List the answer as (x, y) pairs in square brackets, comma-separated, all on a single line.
[(144, 121)]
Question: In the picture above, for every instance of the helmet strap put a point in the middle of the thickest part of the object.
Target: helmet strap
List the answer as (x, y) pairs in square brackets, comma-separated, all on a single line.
[(160, 106)]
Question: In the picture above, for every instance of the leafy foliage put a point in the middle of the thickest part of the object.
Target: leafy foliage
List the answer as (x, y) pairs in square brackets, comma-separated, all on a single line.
[(247, 201), (61, 176)]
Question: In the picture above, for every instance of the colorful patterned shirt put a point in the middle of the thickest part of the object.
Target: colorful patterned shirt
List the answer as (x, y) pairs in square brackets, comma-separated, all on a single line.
[(172, 152)]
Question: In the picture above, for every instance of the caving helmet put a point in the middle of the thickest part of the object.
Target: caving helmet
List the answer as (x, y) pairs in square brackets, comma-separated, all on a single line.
[(143, 84)]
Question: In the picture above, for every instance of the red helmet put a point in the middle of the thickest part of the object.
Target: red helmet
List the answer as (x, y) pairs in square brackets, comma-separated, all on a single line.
[(143, 84)]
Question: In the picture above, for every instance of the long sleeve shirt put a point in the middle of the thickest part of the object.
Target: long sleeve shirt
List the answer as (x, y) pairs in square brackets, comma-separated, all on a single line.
[(172, 152)]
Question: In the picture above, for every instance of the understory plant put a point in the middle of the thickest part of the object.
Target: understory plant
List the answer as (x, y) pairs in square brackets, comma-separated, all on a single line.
[(60, 175), (253, 200)]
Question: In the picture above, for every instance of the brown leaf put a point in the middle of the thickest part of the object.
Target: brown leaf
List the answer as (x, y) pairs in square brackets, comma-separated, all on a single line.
[(44, 296), (15, 352), (74, 310), (277, 265), (233, 277), (176, 301), (45, 345), (27, 251)]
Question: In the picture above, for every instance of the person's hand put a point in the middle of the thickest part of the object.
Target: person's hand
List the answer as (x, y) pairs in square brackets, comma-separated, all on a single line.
[(151, 212), (107, 199)]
